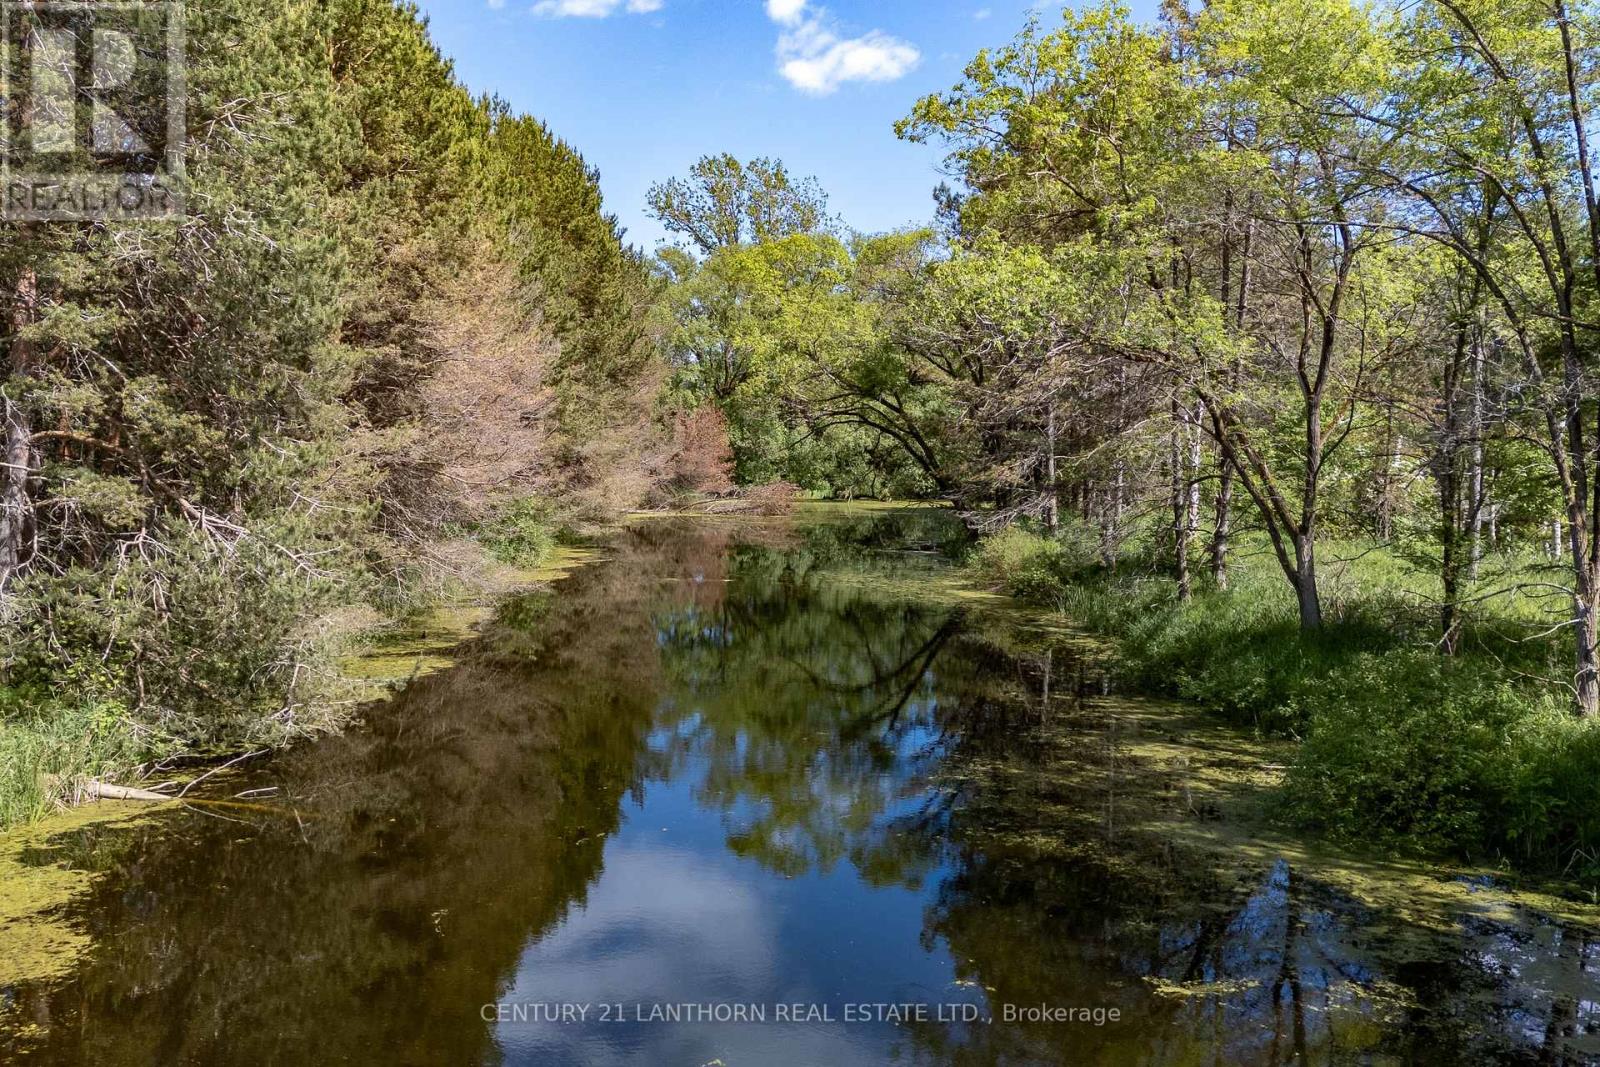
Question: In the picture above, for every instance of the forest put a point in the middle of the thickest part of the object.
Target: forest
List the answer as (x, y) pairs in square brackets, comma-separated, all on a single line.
[(1260, 339)]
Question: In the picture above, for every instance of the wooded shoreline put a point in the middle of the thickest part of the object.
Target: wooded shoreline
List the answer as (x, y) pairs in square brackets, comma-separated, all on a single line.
[(1261, 335)]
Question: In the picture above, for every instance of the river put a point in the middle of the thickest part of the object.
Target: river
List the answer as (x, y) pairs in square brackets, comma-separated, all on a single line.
[(768, 792)]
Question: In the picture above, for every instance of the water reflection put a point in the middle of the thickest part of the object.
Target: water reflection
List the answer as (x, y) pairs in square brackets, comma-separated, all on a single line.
[(738, 764)]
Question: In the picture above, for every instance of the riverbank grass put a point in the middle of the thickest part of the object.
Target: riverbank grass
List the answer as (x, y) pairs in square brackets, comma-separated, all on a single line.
[(1475, 754), (43, 751)]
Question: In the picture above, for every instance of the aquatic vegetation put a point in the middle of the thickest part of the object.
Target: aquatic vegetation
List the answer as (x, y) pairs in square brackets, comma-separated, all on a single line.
[(38, 940)]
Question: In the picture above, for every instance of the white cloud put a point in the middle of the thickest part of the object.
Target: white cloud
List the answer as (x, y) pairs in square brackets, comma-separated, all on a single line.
[(815, 59), (496, 5), (982, 13), (590, 9), (665, 926), (787, 12)]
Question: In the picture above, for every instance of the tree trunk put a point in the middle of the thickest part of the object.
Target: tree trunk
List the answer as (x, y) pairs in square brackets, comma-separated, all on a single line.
[(1111, 524), (1112, 548), (1475, 476), (1191, 516), (1447, 472), (1385, 482), (1585, 632), (1052, 515), (1446, 461), (16, 506), (1222, 530), (1449, 574), (16, 502), (1180, 503), (1305, 585)]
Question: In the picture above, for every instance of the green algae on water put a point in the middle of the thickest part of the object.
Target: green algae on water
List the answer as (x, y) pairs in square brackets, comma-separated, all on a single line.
[(37, 941), (427, 644)]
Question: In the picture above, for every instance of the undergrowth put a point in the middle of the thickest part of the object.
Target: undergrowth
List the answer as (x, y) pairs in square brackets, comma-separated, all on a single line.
[(1475, 754)]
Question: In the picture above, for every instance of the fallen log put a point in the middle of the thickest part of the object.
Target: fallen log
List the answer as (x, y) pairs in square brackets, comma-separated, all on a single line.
[(94, 790)]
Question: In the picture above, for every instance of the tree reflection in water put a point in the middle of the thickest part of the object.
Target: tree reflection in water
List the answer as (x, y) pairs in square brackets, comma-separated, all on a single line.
[(1063, 844), (913, 738)]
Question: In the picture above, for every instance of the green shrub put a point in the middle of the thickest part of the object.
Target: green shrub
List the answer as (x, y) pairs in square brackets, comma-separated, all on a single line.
[(1552, 812), (522, 534), (1433, 753), (198, 641), (1022, 563), (1409, 745), (1032, 566)]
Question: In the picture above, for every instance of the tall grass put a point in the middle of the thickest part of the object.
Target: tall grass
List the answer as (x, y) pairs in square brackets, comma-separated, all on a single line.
[(1474, 753), (45, 753)]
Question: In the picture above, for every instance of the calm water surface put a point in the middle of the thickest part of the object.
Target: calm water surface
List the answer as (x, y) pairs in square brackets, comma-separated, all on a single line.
[(779, 768)]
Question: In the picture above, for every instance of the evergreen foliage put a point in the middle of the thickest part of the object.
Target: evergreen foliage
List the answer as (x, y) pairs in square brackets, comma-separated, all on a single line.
[(390, 308)]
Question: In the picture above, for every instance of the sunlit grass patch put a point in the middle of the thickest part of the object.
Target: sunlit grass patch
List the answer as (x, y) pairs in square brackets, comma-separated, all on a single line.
[(44, 752)]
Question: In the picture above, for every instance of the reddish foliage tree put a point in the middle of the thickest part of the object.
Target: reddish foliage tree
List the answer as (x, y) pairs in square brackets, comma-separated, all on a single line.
[(702, 458)]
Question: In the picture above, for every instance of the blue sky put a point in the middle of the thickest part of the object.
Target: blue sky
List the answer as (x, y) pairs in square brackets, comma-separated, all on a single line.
[(643, 88)]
